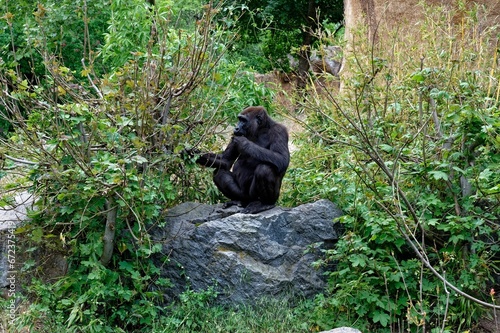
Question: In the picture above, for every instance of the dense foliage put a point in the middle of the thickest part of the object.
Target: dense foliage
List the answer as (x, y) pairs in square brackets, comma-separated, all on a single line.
[(21, 40), (106, 156), (410, 150), (277, 28)]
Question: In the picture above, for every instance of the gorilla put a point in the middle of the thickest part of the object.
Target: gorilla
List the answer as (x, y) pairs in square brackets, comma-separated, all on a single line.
[(249, 172)]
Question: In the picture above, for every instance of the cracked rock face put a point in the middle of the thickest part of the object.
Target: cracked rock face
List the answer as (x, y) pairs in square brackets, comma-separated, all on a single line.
[(246, 256)]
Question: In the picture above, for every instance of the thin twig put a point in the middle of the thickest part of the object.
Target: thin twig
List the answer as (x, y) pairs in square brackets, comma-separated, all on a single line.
[(99, 93)]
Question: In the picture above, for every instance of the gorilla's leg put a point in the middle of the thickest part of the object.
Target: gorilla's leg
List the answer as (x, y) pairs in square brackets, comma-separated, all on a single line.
[(265, 189), (227, 184)]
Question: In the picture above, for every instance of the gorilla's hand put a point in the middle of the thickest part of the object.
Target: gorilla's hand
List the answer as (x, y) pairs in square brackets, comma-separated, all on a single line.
[(242, 143), (187, 154)]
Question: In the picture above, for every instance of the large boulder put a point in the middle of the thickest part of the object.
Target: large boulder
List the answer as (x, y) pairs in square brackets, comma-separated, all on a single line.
[(247, 256)]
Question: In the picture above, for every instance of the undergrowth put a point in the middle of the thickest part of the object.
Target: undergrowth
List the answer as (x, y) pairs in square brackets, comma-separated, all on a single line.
[(410, 151)]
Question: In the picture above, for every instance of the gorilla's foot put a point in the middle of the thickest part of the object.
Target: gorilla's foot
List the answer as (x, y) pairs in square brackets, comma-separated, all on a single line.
[(231, 203), (256, 207)]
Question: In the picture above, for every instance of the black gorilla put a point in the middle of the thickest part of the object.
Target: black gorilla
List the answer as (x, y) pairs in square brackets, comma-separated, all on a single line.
[(250, 170)]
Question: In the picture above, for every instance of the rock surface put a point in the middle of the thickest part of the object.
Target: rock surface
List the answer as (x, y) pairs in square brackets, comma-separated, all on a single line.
[(342, 330), (246, 256), (10, 217)]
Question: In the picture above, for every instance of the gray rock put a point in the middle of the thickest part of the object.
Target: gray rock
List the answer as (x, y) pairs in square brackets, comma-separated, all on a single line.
[(12, 215), (342, 330), (10, 218), (246, 256)]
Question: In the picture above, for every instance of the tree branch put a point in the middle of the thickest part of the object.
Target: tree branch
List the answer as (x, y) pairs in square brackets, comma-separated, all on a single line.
[(109, 231), (20, 160)]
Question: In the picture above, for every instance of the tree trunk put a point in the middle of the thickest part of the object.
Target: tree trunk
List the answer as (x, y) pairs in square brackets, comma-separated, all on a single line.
[(305, 50), (109, 231)]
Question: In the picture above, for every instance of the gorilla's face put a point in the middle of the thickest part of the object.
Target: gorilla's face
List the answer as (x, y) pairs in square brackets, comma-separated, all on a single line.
[(249, 122)]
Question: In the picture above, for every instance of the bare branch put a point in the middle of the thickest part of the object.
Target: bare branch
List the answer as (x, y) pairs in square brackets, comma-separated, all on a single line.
[(99, 93), (19, 160)]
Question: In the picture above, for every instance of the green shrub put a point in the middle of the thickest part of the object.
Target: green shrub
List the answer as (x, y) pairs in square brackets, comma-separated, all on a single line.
[(410, 150), (106, 155)]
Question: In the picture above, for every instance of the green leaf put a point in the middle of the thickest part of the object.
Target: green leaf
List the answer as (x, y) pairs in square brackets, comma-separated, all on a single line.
[(386, 148), (66, 301), (139, 159), (418, 77), (485, 174), (381, 317), (437, 175), (126, 266), (358, 261), (36, 235), (433, 222)]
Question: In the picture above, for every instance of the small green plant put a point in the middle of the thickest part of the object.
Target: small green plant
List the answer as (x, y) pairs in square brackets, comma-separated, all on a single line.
[(192, 312)]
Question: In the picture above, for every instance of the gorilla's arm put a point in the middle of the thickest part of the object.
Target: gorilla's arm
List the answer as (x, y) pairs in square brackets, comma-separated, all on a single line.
[(222, 161), (277, 154)]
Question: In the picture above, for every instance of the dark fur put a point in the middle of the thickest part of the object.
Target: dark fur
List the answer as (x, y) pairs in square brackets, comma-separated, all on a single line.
[(250, 170)]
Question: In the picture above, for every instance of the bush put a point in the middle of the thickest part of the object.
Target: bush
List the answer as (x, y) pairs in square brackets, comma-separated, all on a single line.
[(107, 154), (411, 149)]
